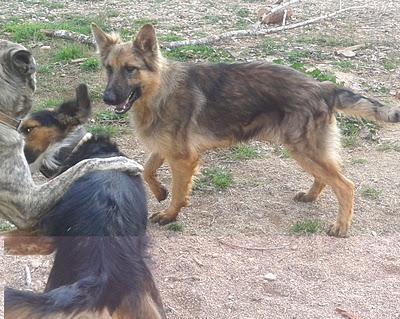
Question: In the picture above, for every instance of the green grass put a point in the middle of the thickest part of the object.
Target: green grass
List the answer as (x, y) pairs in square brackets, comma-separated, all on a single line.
[(344, 65), (307, 227), (297, 56), (359, 161), (388, 147), (278, 61), (245, 152), (214, 178), (31, 31), (106, 130), (45, 69), (69, 52), (170, 38), (110, 116), (175, 227), (390, 64), (50, 103), (269, 47), (370, 193), (90, 65), (243, 12), (138, 23), (213, 19), (198, 52), (5, 226), (53, 5), (351, 128), (324, 40)]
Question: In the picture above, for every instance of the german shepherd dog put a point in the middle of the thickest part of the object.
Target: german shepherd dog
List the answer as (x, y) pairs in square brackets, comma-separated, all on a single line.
[(98, 228), (182, 109), (22, 202)]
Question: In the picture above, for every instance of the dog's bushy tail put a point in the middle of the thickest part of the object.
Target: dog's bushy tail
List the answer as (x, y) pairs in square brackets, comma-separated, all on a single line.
[(65, 301), (353, 104)]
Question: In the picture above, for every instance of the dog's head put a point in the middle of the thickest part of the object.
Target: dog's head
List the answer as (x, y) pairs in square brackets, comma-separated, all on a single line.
[(17, 79), (132, 67), (45, 128)]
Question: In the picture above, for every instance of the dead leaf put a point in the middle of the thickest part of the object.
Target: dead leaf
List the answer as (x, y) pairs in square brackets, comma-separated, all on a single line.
[(346, 314), (349, 51)]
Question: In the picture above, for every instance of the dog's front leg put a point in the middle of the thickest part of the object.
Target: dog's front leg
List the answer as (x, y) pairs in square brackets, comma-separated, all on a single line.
[(150, 175), (182, 175)]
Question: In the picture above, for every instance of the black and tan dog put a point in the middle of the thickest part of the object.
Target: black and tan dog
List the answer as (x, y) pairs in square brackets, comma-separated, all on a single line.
[(182, 109), (98, 228)]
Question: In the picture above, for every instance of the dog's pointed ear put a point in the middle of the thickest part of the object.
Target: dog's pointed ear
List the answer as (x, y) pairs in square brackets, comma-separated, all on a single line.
[(146, 40), (23, 61), (77, 111), (103, 40)]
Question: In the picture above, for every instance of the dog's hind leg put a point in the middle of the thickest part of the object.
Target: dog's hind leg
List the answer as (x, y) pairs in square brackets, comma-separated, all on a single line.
[(328, 171), (150, 175), (182, 176)]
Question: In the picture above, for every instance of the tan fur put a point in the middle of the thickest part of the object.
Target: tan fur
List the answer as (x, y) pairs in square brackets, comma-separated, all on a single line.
[(20, 242)]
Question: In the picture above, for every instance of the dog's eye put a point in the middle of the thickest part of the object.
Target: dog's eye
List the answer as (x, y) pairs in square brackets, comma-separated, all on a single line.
[(130, 69), (27, 130)]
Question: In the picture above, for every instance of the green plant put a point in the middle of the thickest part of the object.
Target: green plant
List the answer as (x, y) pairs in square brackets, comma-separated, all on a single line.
[(170, 38), (5, 226), (21, 32), (297, 56), (91, 64), (344, 65), (281, 151), (370, 193), (245, 152), (360, 161), (198, 52), (44, 69), (107, 130), (110, 116), (175, 227), (216, 178), (69, 52), (269, 47), (307, 227), (50, 103), (387, 147)]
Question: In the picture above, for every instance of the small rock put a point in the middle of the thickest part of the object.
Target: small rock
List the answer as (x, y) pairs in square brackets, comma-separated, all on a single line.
[(45, 48), (373, 233), (270, 277)]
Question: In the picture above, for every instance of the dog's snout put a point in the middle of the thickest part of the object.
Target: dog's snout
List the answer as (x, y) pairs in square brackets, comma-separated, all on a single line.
[(109, 97)]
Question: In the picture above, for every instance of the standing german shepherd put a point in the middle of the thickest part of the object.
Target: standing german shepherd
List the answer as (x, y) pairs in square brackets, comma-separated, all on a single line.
[(98, 228), (182, 109)]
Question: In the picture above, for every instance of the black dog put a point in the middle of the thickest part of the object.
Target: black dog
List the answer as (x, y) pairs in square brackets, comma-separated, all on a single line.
[(99, 227)]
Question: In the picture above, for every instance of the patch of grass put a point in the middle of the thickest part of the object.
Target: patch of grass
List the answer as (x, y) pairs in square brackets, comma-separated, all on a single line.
[(243, 12), (112, 13), (388, 147), (269, 47), (50, 103), (324, 40), (216, 178), (110, 116), (390, 64), (80, 24), (53, 5), (245, 152), (170, 38), (198, 52), (90, 65), (360, 161), (106, 130), (351, 128), (297, 56), (370, 193), (322, 76), (69, 52), (175, 227), (44, 69), (22, 32), (138, 23), (344, 65), (281, 151), (278, 61), (307, 227), (212, 19)]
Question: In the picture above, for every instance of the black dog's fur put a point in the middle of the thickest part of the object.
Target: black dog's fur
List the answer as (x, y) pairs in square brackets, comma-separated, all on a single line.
[(100, 236)]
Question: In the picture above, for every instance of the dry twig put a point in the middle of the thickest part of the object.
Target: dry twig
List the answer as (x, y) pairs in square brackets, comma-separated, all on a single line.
[(248, 248)]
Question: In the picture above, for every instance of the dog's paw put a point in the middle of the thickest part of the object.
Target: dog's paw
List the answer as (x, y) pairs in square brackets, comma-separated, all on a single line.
[(338, 230), (161, 194), (303, 197), (162, 218)]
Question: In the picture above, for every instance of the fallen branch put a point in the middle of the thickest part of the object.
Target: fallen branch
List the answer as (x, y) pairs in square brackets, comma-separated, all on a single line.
[(346, 314), (248, 248), (28, 277), (84, 39)]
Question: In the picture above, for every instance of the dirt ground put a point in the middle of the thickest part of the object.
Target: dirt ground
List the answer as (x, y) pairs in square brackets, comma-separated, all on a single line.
[(220, 264)]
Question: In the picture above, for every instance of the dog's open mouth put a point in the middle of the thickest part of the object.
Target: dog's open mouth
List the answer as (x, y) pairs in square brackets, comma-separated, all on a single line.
[(127, 104)]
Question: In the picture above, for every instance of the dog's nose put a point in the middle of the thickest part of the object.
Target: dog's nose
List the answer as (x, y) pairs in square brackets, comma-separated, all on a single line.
[(109, 97)]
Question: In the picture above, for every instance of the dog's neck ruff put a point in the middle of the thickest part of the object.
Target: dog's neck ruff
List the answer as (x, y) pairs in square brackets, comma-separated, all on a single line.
[(9, 121)]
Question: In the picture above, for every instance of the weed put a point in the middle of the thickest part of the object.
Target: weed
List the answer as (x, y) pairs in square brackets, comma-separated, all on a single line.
[(175, 227), (307, 227), (351, 128), (198, 52), (245, 152), (216, 178), (243, 12), (278, 61), (298, 56), (106, 130), (141, 22), (110, 116), (171, 38), (360, 161), (90, 65), (370, 193), (50, 103), (390, 64), (344, 65), (281, 151), (44, 69), (269, 47), (22, 32), (68, 53)]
